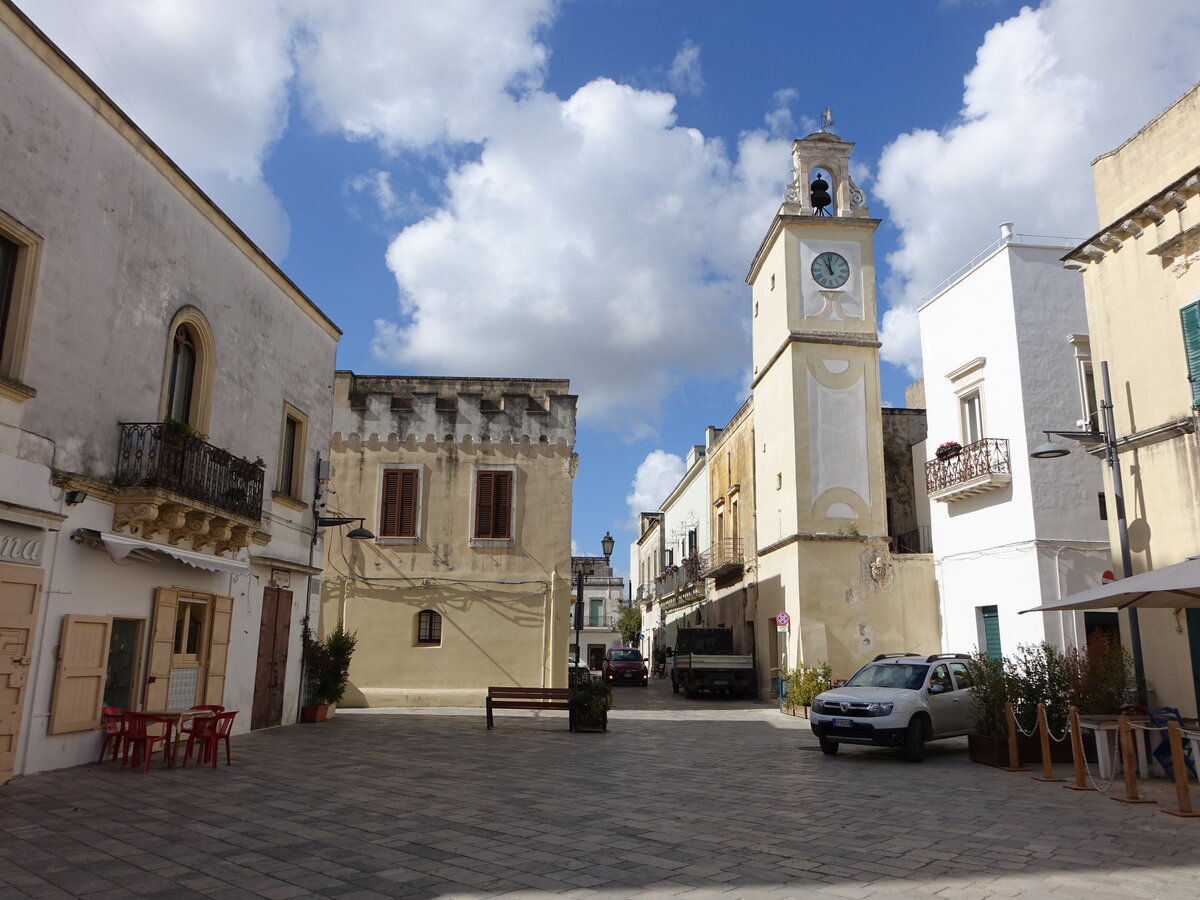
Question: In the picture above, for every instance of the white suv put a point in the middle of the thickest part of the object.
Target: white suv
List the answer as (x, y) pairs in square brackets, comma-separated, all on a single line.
[(897, 700)]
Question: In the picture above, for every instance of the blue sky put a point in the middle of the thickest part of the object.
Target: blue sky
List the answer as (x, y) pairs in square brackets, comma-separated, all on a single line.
[(575, 189)]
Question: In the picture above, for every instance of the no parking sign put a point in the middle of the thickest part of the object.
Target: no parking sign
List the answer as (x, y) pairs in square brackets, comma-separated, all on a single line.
[(782, 619)]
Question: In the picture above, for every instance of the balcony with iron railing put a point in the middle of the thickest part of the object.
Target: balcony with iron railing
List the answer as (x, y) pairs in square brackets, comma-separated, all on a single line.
[(976, 469), (722, 559), (685, 578), (919, 540), (171, 481)]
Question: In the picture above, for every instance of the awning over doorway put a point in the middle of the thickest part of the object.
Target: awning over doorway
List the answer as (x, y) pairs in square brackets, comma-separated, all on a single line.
[(1170, 587), (120, 546)]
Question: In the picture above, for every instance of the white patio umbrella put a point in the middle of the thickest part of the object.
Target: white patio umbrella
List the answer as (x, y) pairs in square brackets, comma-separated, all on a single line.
[(1170, 587)]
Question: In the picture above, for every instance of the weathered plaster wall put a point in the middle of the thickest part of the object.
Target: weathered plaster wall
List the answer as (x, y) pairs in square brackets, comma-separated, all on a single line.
[(505, 607)]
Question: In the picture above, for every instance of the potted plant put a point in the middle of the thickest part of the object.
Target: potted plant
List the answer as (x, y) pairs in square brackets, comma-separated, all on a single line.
[(317, 662), (326, 670), (591, 699), (339, 644), (948, 450)]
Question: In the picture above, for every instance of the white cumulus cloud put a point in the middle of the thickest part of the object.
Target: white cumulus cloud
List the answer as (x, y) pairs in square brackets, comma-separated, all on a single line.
[(655, 478), (1051, 89), (593, 238)]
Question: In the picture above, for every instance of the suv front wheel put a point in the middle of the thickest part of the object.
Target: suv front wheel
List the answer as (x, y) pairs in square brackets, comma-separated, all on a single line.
[(828, 747), (914, 739)]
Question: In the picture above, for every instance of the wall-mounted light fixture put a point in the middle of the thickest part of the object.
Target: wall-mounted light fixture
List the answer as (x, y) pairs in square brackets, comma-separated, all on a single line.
[(360, 533), (74, 498)]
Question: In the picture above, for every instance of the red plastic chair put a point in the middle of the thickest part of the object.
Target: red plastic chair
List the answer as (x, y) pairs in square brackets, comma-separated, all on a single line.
[(138, 736), (210, 732), (189, 725), (113, 731)]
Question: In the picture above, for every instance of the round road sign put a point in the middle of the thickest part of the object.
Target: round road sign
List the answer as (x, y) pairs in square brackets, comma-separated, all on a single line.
[(782, 619)]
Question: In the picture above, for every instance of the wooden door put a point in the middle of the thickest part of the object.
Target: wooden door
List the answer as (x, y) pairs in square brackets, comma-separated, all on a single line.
[(274, 630), (20, 593)]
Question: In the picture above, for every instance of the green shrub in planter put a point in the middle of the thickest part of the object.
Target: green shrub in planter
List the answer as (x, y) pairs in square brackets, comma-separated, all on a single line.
[(805, 682), (592, 698)]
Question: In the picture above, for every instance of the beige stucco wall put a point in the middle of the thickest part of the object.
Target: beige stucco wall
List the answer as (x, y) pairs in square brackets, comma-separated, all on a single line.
[(1138, 274), (505, 608)]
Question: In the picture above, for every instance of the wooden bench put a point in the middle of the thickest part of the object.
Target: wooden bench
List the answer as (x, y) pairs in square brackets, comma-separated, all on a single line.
[(530, 698)]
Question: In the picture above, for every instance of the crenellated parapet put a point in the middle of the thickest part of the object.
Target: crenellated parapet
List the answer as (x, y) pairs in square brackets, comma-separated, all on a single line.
[(525, 416)]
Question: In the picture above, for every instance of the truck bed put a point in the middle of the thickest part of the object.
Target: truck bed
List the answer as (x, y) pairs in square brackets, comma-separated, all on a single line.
[(695, 661)]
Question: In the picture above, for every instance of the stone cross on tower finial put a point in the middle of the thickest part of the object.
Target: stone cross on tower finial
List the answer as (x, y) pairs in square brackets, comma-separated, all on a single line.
[(826, 120)]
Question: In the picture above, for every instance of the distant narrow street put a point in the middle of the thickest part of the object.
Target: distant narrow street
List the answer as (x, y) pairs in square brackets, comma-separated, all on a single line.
[(680, 798)]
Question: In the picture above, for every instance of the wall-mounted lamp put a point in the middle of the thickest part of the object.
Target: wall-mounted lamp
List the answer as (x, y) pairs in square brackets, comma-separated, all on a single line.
[(74, 498), (360, 533)]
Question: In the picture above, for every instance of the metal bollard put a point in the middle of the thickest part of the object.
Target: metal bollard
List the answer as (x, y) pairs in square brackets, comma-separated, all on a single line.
[(1182, 789), (1044, 734), (1014, 756), (1129, 762), (1077, 751)]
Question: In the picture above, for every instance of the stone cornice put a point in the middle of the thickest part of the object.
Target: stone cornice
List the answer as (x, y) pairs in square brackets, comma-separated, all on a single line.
[(1129, 225), (843, 338)]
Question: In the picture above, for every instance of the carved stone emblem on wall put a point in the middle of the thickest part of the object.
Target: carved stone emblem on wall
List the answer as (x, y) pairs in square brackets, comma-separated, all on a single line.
[(878, 570)]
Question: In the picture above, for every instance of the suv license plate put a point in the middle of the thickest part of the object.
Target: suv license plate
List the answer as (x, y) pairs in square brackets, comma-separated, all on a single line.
[(842, 723)]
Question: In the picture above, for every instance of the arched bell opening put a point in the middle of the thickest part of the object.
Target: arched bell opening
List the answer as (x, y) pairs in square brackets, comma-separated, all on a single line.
[(821, 193)]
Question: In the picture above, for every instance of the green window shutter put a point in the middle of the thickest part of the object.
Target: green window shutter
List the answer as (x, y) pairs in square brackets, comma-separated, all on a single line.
[(991, 631), (1189, 317)]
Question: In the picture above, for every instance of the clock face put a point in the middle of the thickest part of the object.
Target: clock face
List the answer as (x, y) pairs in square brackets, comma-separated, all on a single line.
[(830, 270)]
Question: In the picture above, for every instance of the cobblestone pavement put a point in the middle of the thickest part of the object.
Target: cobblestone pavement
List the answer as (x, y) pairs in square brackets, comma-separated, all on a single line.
[(692, 798)]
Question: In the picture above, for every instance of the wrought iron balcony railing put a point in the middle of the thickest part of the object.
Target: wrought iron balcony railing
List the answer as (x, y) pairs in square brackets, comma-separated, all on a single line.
[(919, 540), (154, 455), (678, 576), (722, 558), (978, 467)]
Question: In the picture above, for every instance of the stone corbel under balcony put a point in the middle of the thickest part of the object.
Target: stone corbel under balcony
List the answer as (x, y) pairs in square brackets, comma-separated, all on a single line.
[(981, 484), (152, 512)]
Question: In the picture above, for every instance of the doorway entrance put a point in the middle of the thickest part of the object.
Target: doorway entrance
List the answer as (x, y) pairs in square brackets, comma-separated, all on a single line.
[(274, 629), (20, 593)]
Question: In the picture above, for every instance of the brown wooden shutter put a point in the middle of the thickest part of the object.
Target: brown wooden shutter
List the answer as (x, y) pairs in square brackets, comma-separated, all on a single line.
[(162, 645), (218, 649), (502, 505), (389, 511), (79, 681), (408, 503), (483, 504)]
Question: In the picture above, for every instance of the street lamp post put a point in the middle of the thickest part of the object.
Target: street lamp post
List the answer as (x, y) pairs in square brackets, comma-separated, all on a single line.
[(1108, 437), (606, 544)]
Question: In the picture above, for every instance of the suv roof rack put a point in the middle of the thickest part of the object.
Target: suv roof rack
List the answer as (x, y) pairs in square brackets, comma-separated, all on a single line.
[(894, 656), (936, 656)]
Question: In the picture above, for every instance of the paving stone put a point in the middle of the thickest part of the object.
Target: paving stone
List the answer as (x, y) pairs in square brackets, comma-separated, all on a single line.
[(705, 797)]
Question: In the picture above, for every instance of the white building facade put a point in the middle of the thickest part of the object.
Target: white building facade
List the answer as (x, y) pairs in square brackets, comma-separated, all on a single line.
[(164, 398), (1005, 354)]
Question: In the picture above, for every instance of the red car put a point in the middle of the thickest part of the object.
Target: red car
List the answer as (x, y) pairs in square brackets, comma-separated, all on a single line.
[(624, 665)]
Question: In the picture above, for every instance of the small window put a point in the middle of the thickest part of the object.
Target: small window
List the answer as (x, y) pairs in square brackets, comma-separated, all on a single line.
[(989, 626), (1103, 508), (19, 252), (398, 506), (292, 439), (429, 627), (972, 418), (1087, 388), (493, 505)]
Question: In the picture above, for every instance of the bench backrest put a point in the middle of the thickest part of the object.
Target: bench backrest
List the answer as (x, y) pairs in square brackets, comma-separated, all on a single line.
[(523, 693)]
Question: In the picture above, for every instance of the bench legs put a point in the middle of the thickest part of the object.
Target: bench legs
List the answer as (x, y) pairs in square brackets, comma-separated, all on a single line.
[(489, 712)]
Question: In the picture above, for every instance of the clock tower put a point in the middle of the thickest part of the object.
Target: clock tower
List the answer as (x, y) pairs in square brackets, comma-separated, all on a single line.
[(821, 509)]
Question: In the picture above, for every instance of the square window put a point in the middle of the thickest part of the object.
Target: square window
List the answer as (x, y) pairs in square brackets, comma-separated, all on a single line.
[(493, 505), (429, 627)]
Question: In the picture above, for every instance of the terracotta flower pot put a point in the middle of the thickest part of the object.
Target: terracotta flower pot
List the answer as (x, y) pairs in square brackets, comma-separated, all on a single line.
[(314, 713)]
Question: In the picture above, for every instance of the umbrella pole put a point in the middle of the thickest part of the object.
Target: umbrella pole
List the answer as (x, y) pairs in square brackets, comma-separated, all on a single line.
[(1114, 467)]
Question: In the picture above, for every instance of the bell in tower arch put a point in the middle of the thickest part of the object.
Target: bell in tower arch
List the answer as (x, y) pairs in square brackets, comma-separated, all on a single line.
[(819, 196)]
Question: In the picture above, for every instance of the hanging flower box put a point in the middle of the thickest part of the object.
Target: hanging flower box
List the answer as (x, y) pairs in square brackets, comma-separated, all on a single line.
[(948, 450)]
